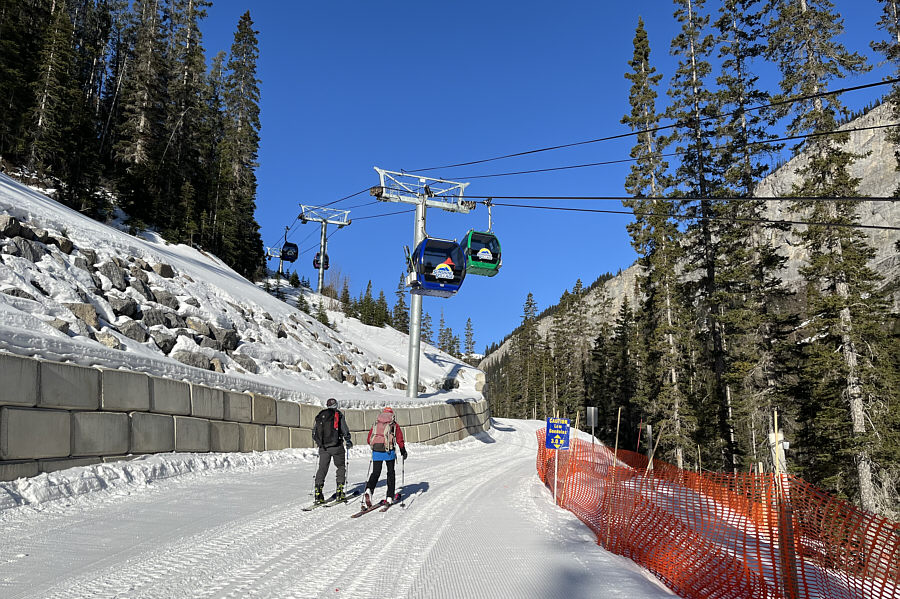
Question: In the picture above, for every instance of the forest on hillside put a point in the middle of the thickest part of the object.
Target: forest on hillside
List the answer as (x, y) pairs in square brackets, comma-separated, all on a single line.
[(116, 97), (715, 343)]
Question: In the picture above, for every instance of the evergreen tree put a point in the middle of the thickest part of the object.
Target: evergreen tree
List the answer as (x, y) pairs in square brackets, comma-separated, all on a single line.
[(425, 331), (295, 280), (382, 311), (321, 314), (241, 244), (694, 107), (890, 48), (366, 306), (844, 368), (469, 347), (400, 318), (138, 124), (302, 304), (347, 306)]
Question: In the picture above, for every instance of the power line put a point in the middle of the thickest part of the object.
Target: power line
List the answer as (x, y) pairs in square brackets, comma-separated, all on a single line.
[(691, 198), (670, 154), (385, 214), (660, 128), (726, 218)]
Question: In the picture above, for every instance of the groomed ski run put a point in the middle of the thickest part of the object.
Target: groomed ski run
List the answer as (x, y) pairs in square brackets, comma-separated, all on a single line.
[(477, 522)]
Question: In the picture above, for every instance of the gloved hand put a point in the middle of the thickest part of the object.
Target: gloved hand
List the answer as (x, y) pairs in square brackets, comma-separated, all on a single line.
[(349, 445), (403, 452)]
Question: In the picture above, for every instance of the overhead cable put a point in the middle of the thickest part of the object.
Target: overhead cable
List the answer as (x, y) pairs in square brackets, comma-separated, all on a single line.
[(661, 127), (716, 217), (670, 154)]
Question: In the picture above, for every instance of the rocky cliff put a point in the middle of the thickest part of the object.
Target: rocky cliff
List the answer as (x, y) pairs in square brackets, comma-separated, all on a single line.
[(879, 178)]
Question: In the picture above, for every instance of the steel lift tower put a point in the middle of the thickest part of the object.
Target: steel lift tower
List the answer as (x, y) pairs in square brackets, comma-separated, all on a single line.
[(326, 216), (423, 192)]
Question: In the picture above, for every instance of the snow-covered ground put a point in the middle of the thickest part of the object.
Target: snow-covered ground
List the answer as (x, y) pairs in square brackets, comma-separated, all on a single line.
[(477, 522), (293, 355)]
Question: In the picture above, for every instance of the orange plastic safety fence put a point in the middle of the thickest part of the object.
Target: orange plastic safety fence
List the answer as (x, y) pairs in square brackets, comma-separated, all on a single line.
[(725, 535)]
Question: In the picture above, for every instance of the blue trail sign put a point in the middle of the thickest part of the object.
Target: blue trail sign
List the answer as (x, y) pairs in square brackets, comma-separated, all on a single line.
[(557, 433)]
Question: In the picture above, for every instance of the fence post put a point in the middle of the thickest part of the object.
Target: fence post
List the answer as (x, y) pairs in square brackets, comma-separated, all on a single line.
[(785, 514)]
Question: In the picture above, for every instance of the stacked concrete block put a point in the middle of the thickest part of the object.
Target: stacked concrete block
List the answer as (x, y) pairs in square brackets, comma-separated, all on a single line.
[(123, 391), (18, 381), (27, 433), (99, 433), (277, 437), (191, 434), (68, 387), (308, 415), (207, 403), (170, 397), (63, 464), (287, 413), (301, 438), (23, 469), (411, 434), (152, 433), (263, 410), (238, 407), (252, 437), (224, 436)]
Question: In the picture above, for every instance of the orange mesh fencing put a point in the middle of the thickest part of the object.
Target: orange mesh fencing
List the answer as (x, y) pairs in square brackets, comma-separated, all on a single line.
[(725, 535)]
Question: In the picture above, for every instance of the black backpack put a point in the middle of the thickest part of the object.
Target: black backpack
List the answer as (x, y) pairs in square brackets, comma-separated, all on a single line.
[(328, 427)]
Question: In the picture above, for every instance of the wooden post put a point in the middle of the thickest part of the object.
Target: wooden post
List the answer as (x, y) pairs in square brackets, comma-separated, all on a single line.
[(618, 420), (653, 451), (785, 522)]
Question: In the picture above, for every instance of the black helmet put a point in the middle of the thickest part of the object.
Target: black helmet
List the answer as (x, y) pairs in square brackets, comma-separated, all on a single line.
[(331, 403)]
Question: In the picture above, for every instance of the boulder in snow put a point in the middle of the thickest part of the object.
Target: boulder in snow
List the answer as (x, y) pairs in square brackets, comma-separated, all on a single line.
[(85, 313), (115, 275), (133, 330), (9, 226), (246, 362), (195, 359), (164, 270)]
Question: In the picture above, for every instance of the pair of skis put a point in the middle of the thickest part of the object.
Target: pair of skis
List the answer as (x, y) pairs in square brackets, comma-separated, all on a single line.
[(331, 502), (381, 506)]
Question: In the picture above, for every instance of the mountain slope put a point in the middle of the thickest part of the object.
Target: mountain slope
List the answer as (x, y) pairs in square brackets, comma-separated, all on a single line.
[(73, 289), (879, 178)]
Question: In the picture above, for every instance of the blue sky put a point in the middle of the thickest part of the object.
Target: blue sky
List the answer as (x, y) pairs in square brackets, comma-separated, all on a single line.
[(349, 85)]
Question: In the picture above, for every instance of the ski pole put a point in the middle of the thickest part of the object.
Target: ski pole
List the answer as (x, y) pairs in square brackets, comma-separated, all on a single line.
[(402, 482)]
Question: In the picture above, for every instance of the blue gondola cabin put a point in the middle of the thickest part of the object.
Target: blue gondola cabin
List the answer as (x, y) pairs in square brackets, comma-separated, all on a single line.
[(439, 267)]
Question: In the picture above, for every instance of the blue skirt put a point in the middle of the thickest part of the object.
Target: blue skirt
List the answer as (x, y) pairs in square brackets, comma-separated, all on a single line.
[(384, 456)]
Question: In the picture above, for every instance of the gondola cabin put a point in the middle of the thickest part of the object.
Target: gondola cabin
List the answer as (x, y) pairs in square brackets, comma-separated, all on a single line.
[(482, 251), (289, 252), (439, 267), (324, 262)]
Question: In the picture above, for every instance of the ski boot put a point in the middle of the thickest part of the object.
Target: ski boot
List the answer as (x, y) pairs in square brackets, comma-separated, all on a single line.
[(367, 500), (319, 497), (339, 494)]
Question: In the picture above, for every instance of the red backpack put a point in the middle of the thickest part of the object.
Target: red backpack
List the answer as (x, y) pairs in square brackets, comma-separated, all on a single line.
[(382, 438)]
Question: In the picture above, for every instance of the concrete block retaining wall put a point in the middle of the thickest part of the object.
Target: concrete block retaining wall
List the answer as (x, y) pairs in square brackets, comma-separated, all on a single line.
[(55, 416)]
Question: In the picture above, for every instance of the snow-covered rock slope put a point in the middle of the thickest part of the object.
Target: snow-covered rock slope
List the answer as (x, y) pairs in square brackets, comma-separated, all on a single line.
[(76, 290)]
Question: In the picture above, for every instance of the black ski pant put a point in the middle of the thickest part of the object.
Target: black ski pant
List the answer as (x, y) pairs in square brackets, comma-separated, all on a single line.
[(376, 474), (326, 454)]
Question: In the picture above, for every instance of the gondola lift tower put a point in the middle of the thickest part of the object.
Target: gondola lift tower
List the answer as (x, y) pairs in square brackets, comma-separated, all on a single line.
[(422, 192), (326, 216)]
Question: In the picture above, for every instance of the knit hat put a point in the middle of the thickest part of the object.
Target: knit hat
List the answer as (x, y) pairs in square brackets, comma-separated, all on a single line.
[(389, 409), (331, 403)]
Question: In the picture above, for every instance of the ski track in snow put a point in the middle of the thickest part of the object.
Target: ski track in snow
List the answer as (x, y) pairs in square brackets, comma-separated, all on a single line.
[(477, 522)]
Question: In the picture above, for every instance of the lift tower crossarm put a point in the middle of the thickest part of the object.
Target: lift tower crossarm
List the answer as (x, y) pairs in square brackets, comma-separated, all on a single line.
[(434, 193)]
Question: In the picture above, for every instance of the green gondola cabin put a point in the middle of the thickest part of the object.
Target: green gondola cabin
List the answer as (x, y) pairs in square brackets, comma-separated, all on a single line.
[(482, 250)]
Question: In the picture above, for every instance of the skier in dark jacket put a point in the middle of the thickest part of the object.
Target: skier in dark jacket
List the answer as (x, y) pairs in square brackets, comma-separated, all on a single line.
[(383, 437), (329, 431)]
